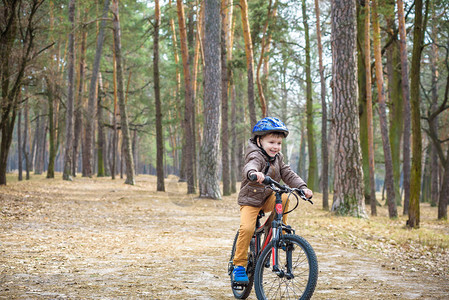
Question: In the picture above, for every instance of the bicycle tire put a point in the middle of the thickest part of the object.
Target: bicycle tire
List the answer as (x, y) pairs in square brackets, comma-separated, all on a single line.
[(269, 285), (242, 292)]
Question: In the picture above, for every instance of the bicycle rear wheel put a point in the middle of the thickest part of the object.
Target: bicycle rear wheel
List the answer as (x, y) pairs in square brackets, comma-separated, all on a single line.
[(243, 291), (304, 268)]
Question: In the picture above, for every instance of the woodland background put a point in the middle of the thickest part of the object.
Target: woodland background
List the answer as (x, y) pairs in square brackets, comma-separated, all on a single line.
[(93, 88)]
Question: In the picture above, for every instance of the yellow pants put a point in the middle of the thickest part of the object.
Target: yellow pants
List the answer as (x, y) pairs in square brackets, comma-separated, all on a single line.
[(248, 218)]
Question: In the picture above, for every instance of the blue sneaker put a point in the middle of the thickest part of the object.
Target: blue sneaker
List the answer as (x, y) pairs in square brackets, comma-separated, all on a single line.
[(239, 275)]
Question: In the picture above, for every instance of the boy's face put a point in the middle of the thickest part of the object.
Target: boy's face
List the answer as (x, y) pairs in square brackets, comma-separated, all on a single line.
[(272, 144)]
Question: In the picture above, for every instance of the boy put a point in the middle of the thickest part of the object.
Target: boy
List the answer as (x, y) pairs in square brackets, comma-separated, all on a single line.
[(263, 157)]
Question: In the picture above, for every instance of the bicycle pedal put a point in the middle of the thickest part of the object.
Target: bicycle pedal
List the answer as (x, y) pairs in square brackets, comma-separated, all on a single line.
[(239, 285)]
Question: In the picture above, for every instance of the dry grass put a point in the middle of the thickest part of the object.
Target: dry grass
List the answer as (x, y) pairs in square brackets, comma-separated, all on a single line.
[(101, 237), (426, 247)]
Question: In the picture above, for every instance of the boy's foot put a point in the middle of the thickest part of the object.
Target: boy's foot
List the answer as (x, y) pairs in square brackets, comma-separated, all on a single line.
[(239, 275)]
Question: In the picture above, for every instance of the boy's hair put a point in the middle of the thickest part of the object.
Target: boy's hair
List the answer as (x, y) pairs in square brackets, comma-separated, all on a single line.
[(274, 133), (255, 138)]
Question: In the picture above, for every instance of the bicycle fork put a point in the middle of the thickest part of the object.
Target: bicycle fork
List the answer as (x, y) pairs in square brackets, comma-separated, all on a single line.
[(277, 232)]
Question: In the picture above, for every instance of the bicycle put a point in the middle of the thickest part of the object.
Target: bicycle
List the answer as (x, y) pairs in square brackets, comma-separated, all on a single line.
[(281, 264)]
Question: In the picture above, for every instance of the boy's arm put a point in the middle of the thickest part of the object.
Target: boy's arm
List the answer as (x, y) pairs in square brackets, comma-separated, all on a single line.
[(253, 164)]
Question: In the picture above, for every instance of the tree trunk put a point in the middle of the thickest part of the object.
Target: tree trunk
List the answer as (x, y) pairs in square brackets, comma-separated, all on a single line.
[(135, 148), (87, 148), (369, 112), (70, 95), (101, 143), (198, 52), (209, 183), (425, 182), (324, 151), (389, 180), (415, 179), (348, 185), (40, 145), (114, 120), (189, 157), (433, 134), (121, 97), (434, 189), (224, 106), (157, 97), (406, 103), (25, 147), (249, 61), (234, 151), (312, 178), (395, 100), (302, 151), (395, 104), (51, 129), (51, 86), (182, 176), (11, 74), (362, 85), (19, 142), (263, 47), (78, 127), (444, 193)]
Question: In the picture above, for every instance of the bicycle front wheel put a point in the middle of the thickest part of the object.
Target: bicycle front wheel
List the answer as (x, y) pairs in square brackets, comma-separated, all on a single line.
[(297, 275)]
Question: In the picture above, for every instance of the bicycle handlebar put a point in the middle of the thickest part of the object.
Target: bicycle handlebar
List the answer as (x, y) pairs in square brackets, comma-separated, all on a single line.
[(277, 187)]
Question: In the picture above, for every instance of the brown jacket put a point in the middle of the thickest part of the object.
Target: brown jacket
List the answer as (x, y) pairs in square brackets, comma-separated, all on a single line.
[(255, 194)]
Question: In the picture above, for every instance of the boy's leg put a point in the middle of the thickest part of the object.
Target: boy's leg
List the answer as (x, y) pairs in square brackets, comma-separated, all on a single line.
[(248, 217), (269, 205)]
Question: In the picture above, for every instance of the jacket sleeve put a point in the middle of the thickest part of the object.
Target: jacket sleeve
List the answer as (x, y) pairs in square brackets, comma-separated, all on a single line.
[(253, 163), (289, 177)]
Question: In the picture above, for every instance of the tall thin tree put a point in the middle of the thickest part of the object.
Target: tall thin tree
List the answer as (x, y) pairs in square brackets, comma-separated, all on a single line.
[(263, 54), (249, 61), (389, 180), (324, 151), (157, 100), (87, 145), (415, 176), (406, 106), (78, 115), (101, 139), (369, 111), (25, 146), (189, 157), (128, 157), (70, 96), (224, 104), (19, 142), (312, 178)]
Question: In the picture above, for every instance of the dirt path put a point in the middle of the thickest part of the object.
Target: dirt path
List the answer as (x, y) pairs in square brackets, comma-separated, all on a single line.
[(98, 239)]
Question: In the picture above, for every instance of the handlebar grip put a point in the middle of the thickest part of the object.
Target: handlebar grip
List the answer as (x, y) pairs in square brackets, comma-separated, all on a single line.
[(252, 177), (267, 180), (303, 196)]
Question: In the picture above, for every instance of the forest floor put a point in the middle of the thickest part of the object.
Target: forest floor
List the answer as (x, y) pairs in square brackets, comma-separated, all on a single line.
[(101, 239)]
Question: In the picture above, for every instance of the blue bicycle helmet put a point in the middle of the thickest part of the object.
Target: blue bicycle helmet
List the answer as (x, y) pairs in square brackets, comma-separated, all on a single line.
[(268, 125)]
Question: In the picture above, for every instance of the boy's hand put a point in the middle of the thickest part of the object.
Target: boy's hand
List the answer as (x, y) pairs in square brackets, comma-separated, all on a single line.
[(260, 176), (308, 193)]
